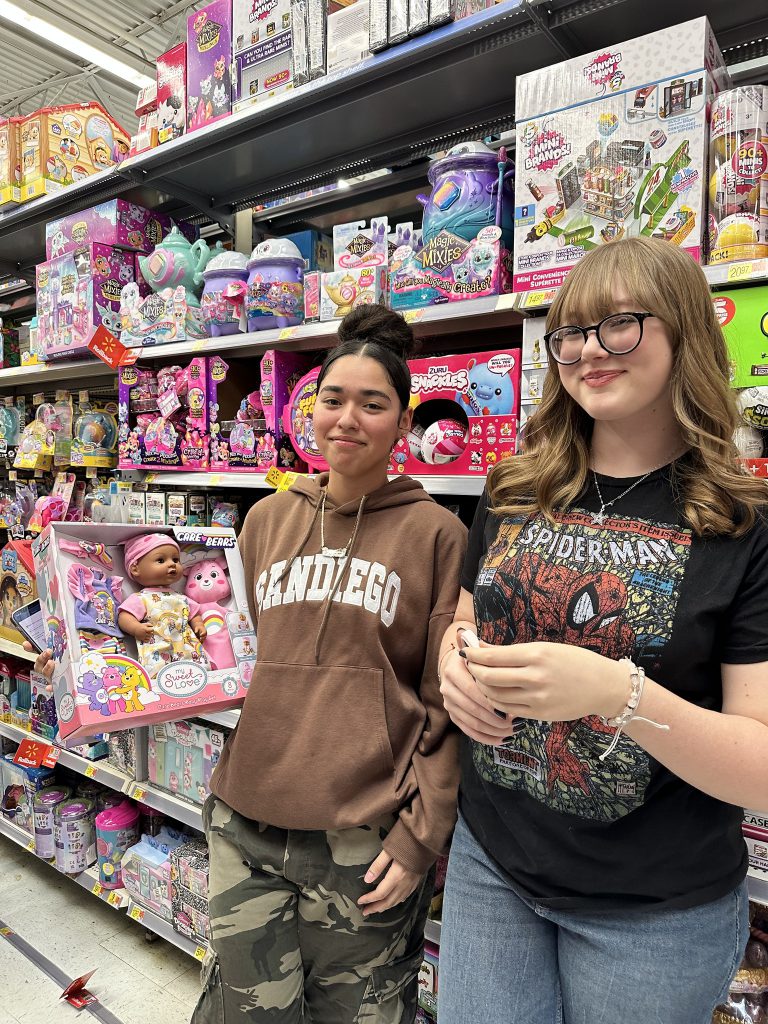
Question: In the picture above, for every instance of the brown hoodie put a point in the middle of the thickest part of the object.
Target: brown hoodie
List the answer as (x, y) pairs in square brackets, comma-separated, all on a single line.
[(344, 721)]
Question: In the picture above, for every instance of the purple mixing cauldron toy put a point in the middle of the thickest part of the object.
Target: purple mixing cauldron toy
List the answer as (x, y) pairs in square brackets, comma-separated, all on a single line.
[(465, 193), (224, 291), (275, 295)]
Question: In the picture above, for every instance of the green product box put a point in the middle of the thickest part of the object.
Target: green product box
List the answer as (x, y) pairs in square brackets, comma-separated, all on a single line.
[(743, 316)]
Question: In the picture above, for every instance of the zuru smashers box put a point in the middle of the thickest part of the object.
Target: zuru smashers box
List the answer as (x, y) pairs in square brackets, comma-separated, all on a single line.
[(98, 682), (614, 144)]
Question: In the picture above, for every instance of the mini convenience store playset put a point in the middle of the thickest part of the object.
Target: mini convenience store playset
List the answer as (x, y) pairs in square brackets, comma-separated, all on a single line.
[(102, 680), (614, 144)]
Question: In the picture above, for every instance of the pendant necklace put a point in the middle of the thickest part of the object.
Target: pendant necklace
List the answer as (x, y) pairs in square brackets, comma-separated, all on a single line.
[(337, 552), (598, 518)]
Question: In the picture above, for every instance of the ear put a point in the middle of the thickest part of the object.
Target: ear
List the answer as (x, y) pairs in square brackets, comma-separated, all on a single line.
[(406, 421)]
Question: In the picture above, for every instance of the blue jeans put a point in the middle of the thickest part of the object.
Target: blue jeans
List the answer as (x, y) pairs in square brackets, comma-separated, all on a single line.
[(506, 959)]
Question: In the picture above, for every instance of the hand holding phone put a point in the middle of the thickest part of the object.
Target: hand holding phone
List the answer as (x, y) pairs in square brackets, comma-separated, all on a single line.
[(30, 623)]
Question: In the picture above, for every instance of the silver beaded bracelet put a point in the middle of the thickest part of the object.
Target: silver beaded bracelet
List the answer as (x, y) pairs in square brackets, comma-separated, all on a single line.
[(637, 684)]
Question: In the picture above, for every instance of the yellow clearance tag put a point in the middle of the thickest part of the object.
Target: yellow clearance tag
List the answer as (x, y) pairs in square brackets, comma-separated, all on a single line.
[(31, 844), (115, 899), (90, 771), (739, 271), (137, 914), (200, 953), (281, 481), (287, 332), (98, 889), (138, 793), (412, 316)]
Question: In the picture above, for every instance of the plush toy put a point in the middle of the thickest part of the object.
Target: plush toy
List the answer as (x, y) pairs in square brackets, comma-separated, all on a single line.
[(207, 585), (167, 627)]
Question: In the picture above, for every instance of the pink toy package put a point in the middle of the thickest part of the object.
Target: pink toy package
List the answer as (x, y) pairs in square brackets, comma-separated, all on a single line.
[(172, 93), (209, 64), (76, 293), (163, 417), (465, 414), (114, 223), (131, 649), (246, 431)]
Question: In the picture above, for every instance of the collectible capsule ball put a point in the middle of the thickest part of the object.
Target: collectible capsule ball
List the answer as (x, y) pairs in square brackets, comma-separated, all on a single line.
[(753, 405), (748, 441), (443, 442)]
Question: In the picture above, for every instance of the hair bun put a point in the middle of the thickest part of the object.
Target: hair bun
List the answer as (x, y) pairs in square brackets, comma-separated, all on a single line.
[(375, 324)]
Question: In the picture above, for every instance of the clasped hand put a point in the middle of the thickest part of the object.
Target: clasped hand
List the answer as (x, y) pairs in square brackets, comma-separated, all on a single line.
[(546, 681)]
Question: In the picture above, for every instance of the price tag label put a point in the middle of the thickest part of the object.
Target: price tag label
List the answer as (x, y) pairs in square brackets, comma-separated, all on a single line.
[(137, 914), (115, 899), (199, 344), (31, 844), (287, 332), (200, 953), (739, 271), (138, 793), (90, 771), (97, 889), (215, 480), (150, 478), (412, 316), (506, 301), (51, 757)]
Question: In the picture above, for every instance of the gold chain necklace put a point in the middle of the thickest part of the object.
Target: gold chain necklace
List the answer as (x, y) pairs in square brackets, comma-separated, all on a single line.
[(337, 552)]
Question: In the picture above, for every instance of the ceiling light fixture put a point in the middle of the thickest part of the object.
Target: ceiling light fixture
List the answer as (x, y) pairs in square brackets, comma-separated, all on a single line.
[(74, 46)]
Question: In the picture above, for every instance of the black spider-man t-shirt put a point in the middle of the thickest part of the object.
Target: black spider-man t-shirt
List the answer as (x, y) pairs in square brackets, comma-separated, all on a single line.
[(571, 831)]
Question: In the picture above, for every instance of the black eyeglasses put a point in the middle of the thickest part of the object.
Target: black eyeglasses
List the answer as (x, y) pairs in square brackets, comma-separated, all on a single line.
[(618, 333)]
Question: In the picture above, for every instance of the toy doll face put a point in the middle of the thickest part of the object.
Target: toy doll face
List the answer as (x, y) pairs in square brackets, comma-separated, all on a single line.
[(160, 567)]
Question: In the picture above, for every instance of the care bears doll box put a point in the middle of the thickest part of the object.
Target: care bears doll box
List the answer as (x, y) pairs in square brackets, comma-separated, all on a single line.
[(76, 293), (103, 681), (209, 64), (480, 392), (612, 145), (63, 145)]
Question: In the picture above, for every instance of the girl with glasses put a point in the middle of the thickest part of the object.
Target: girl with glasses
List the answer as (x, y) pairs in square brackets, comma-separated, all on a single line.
[(616, 709)]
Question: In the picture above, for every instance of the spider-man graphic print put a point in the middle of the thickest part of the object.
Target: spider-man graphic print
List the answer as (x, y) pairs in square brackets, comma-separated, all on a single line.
[(612, 589)]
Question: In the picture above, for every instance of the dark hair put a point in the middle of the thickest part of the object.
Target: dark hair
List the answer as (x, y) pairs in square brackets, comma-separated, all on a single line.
[(378, 333), (9, 583)]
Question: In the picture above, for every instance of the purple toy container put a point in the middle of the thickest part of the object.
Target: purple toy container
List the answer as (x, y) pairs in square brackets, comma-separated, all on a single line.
[(275, 286), (74, 835), (465, 193), (116, 829), (44, 804), (224, 292)]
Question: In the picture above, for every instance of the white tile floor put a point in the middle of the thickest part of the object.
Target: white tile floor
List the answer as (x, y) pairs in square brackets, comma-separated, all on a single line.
[(141, 983)]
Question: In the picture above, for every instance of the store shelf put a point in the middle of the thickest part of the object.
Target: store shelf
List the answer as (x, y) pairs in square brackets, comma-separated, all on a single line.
[(742, 272), (16, 835), (248, 481), (9, 647), (757, 883), (89, 879), (432, 931), (165, 930), (228, 719), (100, 771)]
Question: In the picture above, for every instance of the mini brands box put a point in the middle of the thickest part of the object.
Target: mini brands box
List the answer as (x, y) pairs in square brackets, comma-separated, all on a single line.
[(106, 690), (209, 64), (262, 49), (171, 93), (482, 389), (76, 293), (257, 21), (63, 145), (612, 145), (116, 222), (743, 316)]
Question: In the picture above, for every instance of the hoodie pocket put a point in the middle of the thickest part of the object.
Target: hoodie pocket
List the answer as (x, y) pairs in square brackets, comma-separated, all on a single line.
[(316, 738)]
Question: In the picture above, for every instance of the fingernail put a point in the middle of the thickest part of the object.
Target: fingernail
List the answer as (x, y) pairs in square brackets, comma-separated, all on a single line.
[(368, 877), (499, 714), (462, 654)]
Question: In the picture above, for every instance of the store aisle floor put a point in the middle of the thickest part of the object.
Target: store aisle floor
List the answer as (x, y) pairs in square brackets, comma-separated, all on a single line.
[(139, 982)]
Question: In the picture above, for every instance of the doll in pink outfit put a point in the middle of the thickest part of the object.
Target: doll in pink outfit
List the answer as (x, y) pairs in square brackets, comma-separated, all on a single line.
[(167, 626)]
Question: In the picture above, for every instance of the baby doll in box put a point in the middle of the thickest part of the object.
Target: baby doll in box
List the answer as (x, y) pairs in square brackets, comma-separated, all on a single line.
[(166, 626)]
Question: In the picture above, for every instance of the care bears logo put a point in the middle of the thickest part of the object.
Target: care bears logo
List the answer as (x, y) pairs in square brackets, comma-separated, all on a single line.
[(546, 148), (603, 71)]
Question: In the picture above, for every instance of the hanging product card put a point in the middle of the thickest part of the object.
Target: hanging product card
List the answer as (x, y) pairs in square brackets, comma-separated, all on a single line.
[(30, 753), (77, 994), (111, 351)]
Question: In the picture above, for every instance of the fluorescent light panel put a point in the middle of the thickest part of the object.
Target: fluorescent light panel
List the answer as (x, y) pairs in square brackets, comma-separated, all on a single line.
[(76, 47)]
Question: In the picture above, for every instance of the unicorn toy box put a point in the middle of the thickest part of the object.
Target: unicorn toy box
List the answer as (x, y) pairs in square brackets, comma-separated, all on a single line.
[(146, 624)]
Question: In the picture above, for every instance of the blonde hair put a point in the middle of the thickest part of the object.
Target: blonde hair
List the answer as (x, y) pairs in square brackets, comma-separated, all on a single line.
[(717, 495)]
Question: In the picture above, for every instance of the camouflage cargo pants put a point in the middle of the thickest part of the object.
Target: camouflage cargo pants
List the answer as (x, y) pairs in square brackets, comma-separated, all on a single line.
[(290, 944)]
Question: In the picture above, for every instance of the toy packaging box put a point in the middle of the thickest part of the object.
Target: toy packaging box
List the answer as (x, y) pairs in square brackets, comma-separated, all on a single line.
[(348, 36), (63, 145), (171, 93), (182, 756), (263, 50), (116, 222), (534, 370), (743, 316), (246, 432), (158, 318), (612, 145), (146, 870), (449, 269), (99, 682), (163, 417), (209, 64), (316, 249), (189, 890), (343, 290), (755, 831), (18, 585), (76, 293), (481, 389), (10, 161)]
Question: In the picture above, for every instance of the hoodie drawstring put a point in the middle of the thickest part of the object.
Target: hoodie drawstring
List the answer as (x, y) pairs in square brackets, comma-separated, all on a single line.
[(300, 547), (339, 579)]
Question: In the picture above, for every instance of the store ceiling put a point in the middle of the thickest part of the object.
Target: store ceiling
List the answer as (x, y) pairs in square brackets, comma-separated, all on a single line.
[(34, 73)]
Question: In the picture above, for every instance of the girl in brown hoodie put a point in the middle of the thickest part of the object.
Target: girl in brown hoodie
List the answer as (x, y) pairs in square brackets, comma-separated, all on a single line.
[(337, 791)]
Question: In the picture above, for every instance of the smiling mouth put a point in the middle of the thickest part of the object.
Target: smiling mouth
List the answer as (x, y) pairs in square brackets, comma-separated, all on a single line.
[(345, 440), (596, 378)]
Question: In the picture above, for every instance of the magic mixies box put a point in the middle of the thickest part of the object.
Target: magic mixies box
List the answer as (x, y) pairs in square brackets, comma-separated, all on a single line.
[(614, 145)]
